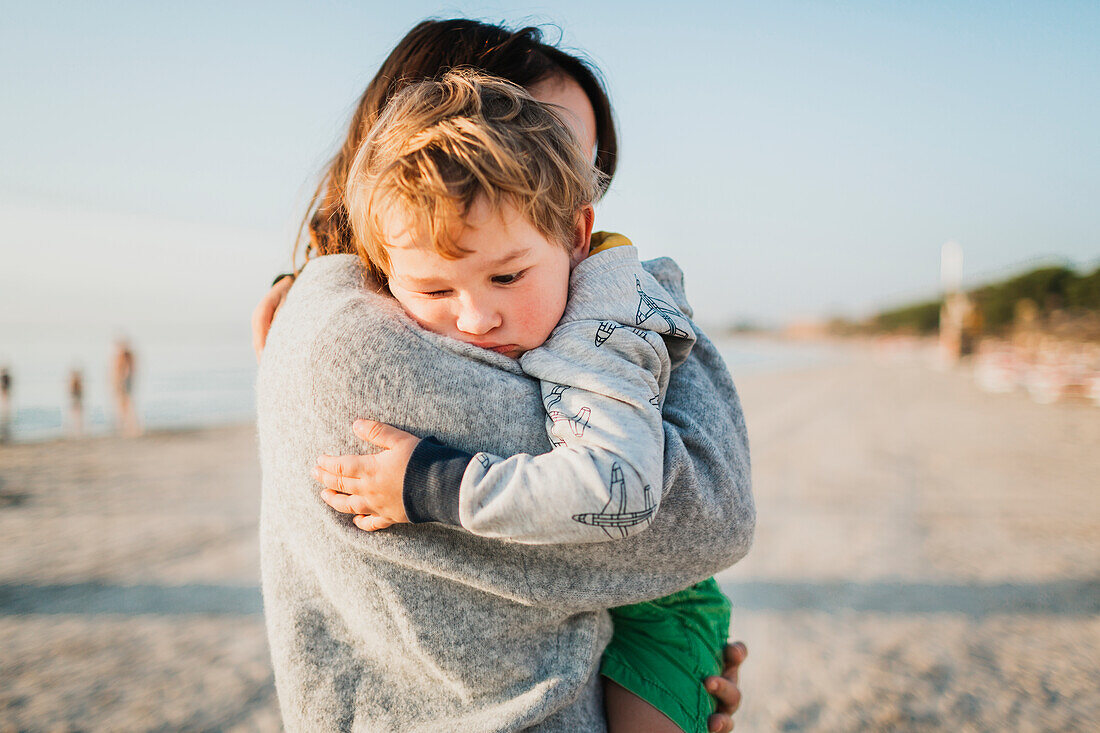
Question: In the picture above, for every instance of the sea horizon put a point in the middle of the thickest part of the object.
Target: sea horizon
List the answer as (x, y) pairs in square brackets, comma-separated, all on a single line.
[(204, 377)]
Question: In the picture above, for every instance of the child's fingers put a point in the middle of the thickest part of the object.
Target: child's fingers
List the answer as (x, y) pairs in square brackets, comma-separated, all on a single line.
[(371, 522), (379, 433), (345, 503), (339, 482), (346, 470)]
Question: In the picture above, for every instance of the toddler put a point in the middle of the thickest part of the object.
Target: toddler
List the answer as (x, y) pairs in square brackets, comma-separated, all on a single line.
[(473, 203)]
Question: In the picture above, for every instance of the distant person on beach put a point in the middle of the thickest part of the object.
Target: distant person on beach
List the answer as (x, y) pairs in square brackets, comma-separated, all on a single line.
[(473, 202), (76, 402), (5, 405), (428, 626), (123, 367)]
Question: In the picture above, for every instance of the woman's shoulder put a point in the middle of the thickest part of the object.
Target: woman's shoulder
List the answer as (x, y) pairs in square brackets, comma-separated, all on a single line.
[(331, 285), (329, 272), (327, 309)]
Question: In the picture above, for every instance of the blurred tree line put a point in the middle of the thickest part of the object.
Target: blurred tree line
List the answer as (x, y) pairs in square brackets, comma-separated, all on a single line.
[(1050, 289)]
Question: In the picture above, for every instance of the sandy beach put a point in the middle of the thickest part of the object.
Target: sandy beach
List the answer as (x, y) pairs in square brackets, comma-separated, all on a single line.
[(927, 558), (927, 555)]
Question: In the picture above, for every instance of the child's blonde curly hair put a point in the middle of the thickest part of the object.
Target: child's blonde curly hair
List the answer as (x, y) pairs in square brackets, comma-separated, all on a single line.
[(441, 145)]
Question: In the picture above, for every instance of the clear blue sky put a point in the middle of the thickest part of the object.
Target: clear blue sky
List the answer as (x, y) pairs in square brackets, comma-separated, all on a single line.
[(798, 159)]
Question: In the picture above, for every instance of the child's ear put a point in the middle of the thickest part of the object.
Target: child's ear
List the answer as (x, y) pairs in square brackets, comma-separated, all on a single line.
[(582, 233)]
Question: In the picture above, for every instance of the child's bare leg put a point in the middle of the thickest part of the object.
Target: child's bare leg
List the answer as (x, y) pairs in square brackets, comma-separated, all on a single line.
[(628, 713)]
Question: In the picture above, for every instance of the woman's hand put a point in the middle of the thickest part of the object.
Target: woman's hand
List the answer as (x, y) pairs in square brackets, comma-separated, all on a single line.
[(725, 689), (265, 312), (370, 487)]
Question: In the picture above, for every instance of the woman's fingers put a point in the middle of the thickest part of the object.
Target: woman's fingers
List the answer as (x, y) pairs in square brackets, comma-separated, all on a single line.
[(719, 723), (735, 653), (264, 313), (725, 689), (726, 692), (379, 433), (261, 323)]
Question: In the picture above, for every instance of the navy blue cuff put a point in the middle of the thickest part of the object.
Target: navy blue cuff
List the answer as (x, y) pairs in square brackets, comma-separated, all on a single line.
[(432, 480)]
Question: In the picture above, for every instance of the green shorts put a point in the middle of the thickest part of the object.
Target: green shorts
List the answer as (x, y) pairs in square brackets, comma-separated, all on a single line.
[(661, 651)]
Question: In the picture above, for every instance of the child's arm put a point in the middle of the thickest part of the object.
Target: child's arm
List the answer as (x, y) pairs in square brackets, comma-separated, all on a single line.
[(604, 371)]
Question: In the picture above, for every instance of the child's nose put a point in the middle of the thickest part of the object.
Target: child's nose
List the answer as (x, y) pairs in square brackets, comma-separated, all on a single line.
[(477, 318)]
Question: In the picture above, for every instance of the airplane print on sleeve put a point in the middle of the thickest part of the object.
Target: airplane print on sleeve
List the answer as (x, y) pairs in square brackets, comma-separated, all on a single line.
[(649, 306), (575, 423), (670, 321), (614, 514)]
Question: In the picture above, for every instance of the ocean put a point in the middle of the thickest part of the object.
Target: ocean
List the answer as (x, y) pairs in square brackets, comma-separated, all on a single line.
[(184, 377), (202, 377)]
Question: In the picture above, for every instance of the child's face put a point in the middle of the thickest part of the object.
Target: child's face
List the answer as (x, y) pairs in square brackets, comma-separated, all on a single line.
[(507, 295)]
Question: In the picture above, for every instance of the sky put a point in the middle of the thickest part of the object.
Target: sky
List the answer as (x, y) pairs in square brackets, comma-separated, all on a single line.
[(798, 159)]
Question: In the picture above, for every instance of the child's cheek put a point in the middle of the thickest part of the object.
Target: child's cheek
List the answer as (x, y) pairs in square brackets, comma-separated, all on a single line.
[(431, 315), (540, 315), (438, 317)]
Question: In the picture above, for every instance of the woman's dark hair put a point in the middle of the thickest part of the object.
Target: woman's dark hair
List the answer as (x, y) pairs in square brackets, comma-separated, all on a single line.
[(428, 51)]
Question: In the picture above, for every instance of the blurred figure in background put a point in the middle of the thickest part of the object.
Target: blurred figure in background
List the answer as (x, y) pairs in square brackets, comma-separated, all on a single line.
[(76, 402), (123, 366), (5, 405)]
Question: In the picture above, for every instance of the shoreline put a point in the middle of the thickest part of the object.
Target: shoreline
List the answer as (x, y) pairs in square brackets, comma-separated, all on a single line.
[(112, 435), (217, 388)]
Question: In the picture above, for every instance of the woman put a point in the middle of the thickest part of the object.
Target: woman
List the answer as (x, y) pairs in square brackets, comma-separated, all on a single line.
[(320, 590)]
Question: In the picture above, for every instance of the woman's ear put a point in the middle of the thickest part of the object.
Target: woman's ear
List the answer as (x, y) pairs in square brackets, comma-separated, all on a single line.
[(582, 234)]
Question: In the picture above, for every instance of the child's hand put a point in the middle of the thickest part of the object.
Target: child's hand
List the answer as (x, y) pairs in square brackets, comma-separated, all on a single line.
[(369, 487)]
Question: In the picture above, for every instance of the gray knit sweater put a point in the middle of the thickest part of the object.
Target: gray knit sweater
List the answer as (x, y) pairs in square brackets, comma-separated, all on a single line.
[(428, 627)]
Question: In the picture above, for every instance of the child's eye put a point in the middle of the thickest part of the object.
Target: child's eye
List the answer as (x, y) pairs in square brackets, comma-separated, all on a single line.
[(508, 279), (436, 293)]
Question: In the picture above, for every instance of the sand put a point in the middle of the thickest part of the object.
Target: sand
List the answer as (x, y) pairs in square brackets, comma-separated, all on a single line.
[(927, 555), (927, 558)]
